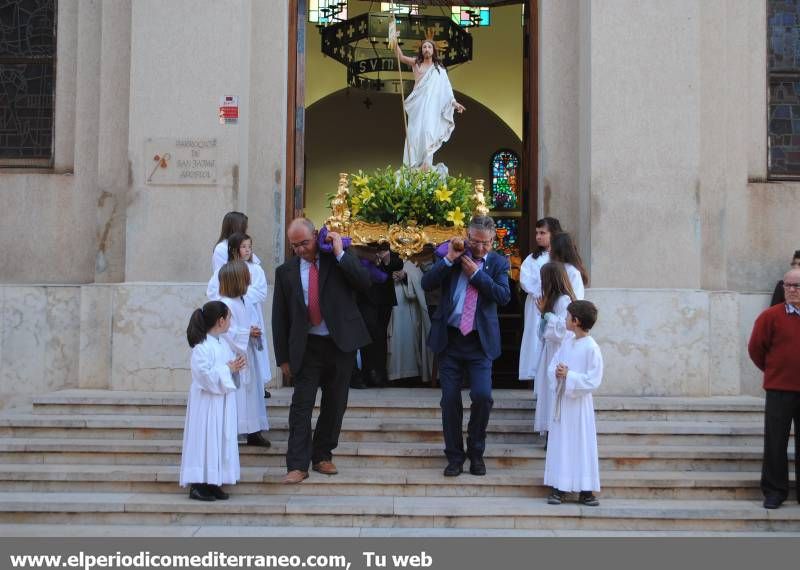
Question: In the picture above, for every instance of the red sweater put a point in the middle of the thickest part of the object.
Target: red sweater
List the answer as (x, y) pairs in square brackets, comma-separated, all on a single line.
[(775, 348)]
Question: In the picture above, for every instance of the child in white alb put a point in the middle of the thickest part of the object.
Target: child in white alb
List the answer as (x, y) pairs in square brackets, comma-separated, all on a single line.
[(557, 294), (251, 407), (210, 455), (576, 371)]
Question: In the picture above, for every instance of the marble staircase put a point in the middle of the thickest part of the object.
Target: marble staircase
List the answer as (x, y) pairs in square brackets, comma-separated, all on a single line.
[(109, 459)]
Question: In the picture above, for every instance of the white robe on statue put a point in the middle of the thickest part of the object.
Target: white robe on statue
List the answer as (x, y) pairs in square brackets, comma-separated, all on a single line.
[(210, 449), (251, 407), (430, 118), (551, 331), (530, 280), (571, 464), (409, 355)]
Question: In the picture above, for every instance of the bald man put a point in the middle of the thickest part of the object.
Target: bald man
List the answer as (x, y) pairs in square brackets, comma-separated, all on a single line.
[(773, 347), (316, 330)]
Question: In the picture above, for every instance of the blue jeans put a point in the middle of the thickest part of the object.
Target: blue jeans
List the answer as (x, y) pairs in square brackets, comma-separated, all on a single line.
[(464, 357)]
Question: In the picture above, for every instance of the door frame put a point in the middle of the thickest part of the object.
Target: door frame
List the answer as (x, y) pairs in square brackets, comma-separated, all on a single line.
[(295, 117)]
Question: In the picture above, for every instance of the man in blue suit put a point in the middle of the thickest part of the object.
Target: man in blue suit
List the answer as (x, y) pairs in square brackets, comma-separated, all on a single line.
[(466, 335)]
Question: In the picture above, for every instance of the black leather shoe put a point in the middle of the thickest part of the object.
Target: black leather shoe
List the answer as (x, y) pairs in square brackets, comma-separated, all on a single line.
[(217, 492), (200, 492), (267, 394), (453, 470), (257, 440), (477, 466), (772, 502), (375, 379), (355, 380)]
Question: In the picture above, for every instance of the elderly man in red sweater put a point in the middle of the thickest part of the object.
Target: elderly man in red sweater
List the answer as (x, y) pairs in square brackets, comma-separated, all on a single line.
[(775, 348)]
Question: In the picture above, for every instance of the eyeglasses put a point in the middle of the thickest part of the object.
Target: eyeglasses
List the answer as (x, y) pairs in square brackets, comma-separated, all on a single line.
[(476, 243), (300, 244), (795, 286)]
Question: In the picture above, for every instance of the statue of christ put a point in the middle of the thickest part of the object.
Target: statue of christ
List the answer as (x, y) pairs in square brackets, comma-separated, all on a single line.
[(430, 107)]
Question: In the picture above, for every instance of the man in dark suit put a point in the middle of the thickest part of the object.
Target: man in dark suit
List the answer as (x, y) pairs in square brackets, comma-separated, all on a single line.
[(376, 308), (316, 329), (466, 336)]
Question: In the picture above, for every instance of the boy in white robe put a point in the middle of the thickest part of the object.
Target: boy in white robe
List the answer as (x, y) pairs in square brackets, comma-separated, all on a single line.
[(210, 455), (576, 371)]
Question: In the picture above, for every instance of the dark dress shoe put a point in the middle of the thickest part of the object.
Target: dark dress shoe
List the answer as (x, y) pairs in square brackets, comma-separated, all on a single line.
[(356, 382), (267, 394), (217, 492), (375, 380), (199, 492), (258, 440), (772, 502), (477, 466), (453, 470)]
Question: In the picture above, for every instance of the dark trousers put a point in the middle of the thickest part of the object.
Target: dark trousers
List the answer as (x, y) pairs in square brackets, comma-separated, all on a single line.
[(781, 409), (374, 355), (464, 357), (326, 367)]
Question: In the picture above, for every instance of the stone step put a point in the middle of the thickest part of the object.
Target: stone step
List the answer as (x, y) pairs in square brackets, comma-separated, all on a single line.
[(381, 482), (408, 455), (383, 512), (256, 531), (385, 429), (412, 403)]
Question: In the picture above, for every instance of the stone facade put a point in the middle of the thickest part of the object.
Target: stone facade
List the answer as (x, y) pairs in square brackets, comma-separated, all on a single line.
[(132, 336), (652, 150)]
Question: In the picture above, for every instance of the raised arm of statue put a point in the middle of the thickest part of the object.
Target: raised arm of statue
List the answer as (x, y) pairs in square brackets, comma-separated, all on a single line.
[(409, 61)]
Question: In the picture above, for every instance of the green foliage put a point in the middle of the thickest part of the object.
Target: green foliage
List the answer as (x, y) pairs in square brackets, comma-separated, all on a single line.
[(390, 196)]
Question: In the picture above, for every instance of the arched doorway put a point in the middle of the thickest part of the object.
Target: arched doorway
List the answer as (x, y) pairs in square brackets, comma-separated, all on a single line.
[(363, 130), (353, 129)]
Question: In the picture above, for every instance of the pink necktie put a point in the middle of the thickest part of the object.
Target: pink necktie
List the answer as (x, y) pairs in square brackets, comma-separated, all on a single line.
[(314, 311), (470, 304)]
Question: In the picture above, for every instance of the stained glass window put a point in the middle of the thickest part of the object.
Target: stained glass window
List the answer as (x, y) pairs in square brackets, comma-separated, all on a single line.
[(505, 180), (399, 8), (468, 16), (783, 23), (506, 240), (27, 78), (323, 12)]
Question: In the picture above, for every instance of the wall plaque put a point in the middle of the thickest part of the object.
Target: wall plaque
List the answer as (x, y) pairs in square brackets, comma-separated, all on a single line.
[(180, 161)]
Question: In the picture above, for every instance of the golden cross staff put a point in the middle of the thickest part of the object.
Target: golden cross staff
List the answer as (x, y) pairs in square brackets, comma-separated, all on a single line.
[(392, 41)]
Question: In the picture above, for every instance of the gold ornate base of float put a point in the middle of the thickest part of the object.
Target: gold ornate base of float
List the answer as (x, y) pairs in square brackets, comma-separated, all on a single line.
[(406, 239)]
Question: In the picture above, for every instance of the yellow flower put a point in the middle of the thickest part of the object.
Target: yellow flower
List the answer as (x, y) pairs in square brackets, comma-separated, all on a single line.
[(366, 195), (443, 194), (456, 216), (360, 181)]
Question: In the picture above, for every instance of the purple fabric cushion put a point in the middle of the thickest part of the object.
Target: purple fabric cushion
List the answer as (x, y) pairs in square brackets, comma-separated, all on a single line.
[(326, 246)]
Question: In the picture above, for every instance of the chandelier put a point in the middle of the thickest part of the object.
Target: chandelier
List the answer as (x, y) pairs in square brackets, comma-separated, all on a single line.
[(361, 45)]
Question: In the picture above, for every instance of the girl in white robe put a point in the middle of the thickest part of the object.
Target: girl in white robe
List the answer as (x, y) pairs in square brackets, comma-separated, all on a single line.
[(233, 222), (210, 454), (563, 249), (531, 283), (252, 410), (575, 372), (556, 295), (234, 280)]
